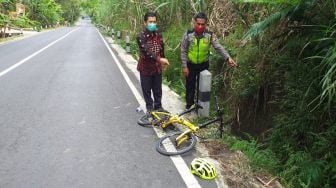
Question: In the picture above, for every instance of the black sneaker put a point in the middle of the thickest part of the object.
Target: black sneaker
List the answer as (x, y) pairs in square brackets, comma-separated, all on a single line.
[(188, 107), (148, 112), (148, 117)]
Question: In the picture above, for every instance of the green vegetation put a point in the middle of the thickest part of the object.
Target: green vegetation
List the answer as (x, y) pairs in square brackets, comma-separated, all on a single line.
[(282, 98), (280, 101), (39, 13)]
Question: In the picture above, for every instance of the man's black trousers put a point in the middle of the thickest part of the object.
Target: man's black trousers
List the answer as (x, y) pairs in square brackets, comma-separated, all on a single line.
[(149, 84), (191, 79)]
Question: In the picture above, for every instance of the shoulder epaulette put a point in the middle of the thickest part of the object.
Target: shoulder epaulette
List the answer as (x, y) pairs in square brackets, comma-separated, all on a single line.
[(190, 31)]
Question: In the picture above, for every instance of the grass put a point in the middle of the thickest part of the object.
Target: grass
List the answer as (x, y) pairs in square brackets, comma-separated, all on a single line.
[(260, 157)]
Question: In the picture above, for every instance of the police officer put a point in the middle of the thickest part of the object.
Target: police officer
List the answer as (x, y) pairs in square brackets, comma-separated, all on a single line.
[(195, 50)]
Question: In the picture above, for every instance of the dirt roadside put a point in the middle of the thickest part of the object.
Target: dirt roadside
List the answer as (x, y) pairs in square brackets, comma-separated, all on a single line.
[(233, 165)]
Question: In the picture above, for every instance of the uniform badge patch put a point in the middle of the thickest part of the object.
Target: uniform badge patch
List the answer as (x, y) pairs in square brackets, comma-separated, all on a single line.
[(206, 41)]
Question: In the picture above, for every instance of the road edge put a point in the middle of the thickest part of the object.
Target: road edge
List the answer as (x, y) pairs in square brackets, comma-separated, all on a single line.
[(178, 161)]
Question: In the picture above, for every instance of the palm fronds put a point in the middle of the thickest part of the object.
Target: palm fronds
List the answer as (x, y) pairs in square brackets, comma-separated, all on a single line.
[(291, 9), (257, 28), (325, 53), (161, 5), (329, 78)]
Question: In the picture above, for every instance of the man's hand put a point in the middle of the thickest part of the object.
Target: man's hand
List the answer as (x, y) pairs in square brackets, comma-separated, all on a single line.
[(164, 63), (185, 71), (231, 62)]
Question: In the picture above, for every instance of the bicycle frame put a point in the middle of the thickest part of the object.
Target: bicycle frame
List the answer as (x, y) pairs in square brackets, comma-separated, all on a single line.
[(174, 119), (186, 140), (220, 119), (192, 128)]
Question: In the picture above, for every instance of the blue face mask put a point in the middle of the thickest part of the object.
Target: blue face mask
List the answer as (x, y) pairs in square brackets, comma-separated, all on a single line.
[(151, 27)]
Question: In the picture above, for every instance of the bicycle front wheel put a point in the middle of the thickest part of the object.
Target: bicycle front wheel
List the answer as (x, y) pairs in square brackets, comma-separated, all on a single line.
[(167, 145)]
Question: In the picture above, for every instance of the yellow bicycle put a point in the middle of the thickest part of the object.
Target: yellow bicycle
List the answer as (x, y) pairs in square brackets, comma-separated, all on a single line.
[(181, 142), (164, 118)]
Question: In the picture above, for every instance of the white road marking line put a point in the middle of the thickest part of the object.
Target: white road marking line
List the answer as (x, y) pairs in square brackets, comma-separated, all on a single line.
[(179, 163), (34, 54)]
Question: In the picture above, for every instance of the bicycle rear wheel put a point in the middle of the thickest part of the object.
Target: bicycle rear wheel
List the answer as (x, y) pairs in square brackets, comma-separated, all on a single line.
[(156, 119), (145, 120), (167, 144)]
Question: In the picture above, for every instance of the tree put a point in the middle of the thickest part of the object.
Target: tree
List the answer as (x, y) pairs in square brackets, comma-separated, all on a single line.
[(71, 9), (47, 12)]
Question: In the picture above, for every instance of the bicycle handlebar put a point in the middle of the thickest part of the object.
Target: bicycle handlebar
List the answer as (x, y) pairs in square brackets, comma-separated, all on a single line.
[(216, 100), (195, 107), (219, 113)]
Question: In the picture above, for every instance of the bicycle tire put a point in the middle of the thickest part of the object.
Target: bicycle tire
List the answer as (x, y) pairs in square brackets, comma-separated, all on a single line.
[(190, 143), (144, 121)]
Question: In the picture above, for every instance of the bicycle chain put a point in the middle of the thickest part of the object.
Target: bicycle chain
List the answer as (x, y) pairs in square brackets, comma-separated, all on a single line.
[(161, 121)]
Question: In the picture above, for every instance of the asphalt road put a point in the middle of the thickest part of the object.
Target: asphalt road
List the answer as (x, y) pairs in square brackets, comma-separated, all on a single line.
[(67, 117)]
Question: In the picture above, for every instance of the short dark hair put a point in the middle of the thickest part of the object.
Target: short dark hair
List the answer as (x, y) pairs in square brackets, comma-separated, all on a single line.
[(201, 15), (149, 14)]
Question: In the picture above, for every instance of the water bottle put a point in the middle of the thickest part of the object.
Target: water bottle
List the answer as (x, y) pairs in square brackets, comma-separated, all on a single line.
[(139, 109)]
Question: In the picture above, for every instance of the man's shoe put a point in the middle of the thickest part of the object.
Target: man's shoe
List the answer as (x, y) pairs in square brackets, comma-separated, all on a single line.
[(148, 113), (148, 116), (188, 107)]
